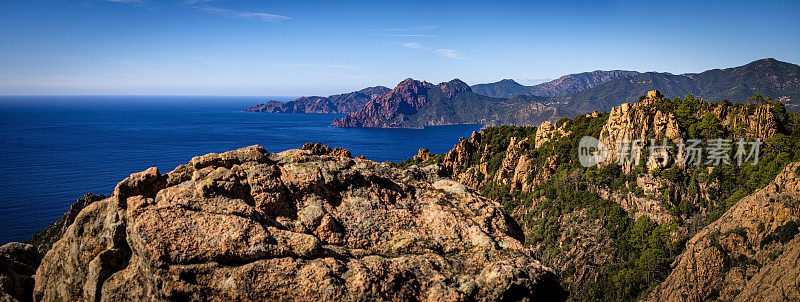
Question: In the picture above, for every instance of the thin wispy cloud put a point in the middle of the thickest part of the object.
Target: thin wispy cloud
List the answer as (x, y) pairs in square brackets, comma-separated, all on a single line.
[(347, 76), (406, 32), (127, 1), (415, 46), (415, 28), (443, 52), (390, 29), (256, 16), (331, 66), (449, 53), (341, 66), (408, 35)]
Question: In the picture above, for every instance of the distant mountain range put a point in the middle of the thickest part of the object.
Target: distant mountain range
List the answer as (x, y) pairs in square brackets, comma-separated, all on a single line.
[(562, 86), (769, 77), (415, 104), (339, 103)]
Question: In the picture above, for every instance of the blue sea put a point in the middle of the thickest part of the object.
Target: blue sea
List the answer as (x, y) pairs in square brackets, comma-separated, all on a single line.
[(53, 149)]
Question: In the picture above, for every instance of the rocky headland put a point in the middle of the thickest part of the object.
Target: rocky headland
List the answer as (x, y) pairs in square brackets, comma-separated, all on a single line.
[(339, 103)]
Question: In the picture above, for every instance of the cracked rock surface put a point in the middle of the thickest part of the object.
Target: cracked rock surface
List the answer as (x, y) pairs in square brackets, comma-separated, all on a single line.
[(303, 224)]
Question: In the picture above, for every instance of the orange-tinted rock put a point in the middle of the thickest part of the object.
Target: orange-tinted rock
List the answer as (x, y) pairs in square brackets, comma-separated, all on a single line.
[(305, 224)]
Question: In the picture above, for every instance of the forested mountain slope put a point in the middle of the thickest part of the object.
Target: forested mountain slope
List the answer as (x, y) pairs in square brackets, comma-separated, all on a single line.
[(613, 231)]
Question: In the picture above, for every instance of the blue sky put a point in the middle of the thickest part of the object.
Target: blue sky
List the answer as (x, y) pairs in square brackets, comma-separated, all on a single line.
[(228, 47)]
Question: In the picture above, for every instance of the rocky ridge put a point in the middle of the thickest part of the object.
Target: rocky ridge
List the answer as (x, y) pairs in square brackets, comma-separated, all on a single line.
[(572, 83), (564, 85), (602, 90), (303, 224)]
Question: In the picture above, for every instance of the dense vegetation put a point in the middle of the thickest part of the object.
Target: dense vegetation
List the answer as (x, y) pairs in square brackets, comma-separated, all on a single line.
[(731, 181), (641, 250)]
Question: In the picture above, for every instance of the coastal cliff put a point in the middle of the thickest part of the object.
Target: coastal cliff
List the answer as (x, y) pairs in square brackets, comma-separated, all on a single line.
[(339, 103), (417, 104)]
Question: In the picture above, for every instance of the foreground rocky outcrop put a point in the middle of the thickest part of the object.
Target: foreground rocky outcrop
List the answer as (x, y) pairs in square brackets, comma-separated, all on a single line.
[(304, 224), (43, 240)]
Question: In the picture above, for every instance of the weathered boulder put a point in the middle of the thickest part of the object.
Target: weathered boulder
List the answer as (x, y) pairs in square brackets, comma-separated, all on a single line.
[(297, 225), (18, 261)]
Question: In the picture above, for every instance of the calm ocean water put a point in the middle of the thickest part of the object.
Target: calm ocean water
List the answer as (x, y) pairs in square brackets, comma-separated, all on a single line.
[(53, 149)]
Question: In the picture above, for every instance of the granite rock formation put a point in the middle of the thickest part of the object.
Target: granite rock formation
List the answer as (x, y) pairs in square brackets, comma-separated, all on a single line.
[(303, 224)]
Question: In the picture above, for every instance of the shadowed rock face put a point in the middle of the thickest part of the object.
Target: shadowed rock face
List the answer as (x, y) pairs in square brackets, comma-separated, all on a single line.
[(18, 263), (303, 224)]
